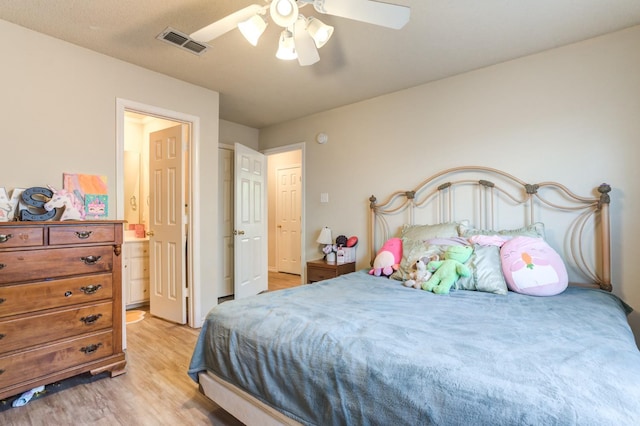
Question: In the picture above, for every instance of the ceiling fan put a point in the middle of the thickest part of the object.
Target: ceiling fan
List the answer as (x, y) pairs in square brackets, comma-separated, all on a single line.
[(302, 36)]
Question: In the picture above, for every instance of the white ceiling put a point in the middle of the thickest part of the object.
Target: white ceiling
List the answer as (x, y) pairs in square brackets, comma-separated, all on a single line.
[(361, 61)]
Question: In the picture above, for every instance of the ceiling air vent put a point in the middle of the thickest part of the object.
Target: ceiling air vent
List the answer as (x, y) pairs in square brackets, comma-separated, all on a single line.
[(181, 40)]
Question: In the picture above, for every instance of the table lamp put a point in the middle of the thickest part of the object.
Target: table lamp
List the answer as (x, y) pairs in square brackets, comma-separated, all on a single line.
[(325, 239)]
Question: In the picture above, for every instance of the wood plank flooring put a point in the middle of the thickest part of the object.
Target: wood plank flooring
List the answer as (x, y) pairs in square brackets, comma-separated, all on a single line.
[(155, 390), (279, 280)]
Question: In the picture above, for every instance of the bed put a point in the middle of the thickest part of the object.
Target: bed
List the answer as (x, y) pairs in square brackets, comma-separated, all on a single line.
[(365, 349)]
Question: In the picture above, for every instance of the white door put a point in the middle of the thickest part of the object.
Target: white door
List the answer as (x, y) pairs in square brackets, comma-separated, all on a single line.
[(288, 215), (167, 230), (250, 223)]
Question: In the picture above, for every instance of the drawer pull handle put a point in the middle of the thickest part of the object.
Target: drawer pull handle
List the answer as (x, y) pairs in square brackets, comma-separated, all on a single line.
[(68, 293), (1, 371), (90, 260), (4, 238), (83, 235), (91, 319), (2, 265), (2, 300), (2, 336), (92, 289), (90, 349)]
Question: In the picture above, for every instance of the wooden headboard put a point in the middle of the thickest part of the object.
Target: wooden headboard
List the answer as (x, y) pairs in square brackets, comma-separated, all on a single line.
[(575, 226)]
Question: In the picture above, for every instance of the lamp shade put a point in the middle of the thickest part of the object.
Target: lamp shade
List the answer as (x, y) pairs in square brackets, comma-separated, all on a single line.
[(253, 28), (319, 31), (325, 236), (286, 47)]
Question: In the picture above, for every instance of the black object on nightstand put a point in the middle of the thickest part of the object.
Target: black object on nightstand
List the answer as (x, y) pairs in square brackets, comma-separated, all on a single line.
[(318, 270)]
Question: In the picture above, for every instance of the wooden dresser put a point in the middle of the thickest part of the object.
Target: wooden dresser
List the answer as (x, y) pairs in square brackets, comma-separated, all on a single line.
[(60, 302)]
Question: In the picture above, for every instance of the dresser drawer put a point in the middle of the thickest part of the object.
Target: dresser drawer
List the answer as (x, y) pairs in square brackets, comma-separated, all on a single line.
[(40, 361), (36, 329), (316, 274), (40, 264), (81, 234), (22, 298), (16, 237), (319, 270)]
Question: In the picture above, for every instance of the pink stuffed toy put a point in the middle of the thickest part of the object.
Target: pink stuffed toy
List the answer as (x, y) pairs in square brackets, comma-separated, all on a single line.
[(532, 267), (388, 258)]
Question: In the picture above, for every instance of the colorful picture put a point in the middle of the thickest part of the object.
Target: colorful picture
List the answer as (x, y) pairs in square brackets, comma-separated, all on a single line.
[(96, 206), (83, 185)]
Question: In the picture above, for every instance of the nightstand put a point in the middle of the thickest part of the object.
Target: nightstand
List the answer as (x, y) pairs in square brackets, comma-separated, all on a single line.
[(318, 270)]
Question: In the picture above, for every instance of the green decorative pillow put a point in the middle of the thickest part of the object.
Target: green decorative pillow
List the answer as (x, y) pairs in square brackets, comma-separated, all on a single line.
[(427, 232), (534, 230), (486, 271)]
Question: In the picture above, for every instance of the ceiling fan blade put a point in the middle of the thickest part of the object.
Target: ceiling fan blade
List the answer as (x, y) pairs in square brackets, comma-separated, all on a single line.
[(226, 24), (373, 12), (305, 46)]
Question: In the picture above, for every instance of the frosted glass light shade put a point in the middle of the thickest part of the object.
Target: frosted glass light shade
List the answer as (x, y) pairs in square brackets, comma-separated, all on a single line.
[(286, 47), (319, 31), (253, 28), (325, 236)]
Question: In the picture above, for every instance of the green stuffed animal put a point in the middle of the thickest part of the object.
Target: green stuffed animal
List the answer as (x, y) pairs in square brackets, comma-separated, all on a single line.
[(446, 272)]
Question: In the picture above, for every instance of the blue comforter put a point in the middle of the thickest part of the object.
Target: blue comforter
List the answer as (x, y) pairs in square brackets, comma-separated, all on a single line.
[(363, 350)]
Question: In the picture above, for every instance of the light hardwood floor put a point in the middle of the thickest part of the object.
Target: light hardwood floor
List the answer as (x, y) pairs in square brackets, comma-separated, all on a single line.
[(155, 390), (279, 280)]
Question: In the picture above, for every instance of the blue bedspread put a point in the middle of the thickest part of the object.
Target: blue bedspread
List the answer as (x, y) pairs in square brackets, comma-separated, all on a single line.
[(363, 350)]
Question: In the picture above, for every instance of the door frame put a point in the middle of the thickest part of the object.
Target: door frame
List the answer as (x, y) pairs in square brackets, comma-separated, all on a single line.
[(301, 146), (193, 216)]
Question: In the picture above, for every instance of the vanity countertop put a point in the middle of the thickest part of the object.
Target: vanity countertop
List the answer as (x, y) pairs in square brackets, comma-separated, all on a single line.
[(130, 237)]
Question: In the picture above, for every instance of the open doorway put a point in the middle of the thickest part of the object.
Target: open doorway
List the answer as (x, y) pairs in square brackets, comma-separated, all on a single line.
[(156, 118), (286, 216), (285, 158)]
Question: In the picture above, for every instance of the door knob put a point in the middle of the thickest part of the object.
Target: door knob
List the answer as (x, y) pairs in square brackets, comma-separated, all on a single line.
[(236, 232), (150, 234)]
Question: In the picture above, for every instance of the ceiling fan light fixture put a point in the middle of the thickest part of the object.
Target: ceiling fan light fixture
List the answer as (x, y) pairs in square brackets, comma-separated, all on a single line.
[(305, 46), (284, 12), (319, 31), (253, 28), (286, 47)]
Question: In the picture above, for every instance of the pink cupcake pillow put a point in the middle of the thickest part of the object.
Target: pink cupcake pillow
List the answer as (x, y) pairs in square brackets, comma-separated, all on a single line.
[(530, 266)]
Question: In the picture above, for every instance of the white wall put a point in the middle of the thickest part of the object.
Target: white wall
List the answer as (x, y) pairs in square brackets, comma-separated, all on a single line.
[(58, 114), (231, 133), (571, 114)]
